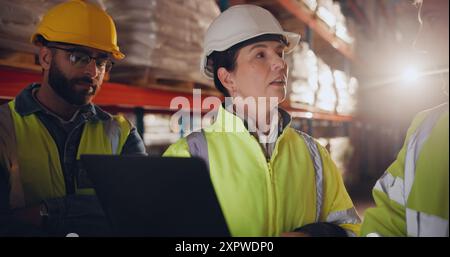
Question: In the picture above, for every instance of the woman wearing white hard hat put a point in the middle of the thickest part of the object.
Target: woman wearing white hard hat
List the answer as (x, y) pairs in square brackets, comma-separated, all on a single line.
[(270, 179)]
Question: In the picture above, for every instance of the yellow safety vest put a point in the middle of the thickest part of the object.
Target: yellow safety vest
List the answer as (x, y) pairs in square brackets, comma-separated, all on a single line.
[(299, 185), (412, 196), (32, 157)]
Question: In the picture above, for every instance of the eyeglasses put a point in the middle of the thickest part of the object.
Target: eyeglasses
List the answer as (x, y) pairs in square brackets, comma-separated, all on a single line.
[(80, 59)]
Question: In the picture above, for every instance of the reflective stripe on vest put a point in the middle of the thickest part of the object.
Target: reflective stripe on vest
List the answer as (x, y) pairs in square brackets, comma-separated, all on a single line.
[(36, 151), (198, 147), (430, 225), (425, 225), (398, 189), (318, 168), (419, 223), (349, 216), (392, 186)]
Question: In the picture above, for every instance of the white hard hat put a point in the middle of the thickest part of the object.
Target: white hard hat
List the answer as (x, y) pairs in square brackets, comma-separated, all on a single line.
[(237, 24)]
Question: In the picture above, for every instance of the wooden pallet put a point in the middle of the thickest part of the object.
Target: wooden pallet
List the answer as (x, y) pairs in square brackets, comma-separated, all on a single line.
[(19, 60), (153, 78), (145, 77)]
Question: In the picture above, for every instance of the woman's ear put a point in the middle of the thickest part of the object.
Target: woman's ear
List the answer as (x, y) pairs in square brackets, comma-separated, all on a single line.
[(227, 81), (45, 57)]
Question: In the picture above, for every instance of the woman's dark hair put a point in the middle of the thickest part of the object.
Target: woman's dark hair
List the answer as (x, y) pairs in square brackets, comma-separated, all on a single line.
[(227, 58)]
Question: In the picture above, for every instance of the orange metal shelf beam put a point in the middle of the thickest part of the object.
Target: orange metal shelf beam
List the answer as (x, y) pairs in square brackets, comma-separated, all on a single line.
[(294, 7), (319, 115), (122, 97), (311, 113), (12, 81)]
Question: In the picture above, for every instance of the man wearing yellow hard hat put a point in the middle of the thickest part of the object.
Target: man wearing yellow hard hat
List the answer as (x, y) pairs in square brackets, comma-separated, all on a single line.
[(46, 128)]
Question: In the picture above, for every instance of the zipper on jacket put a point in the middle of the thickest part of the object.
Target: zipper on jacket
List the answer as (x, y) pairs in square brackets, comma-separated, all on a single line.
[(272, 200), (271, 192), (71, 189)]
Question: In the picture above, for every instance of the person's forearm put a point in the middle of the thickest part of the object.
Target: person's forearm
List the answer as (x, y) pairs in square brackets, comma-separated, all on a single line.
[(134, 144)]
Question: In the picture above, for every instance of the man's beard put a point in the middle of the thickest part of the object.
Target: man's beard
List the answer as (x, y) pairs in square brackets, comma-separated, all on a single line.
[(66, 88)]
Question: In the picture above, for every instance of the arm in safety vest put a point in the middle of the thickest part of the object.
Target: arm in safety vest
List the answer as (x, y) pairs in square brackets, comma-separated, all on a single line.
[(387, 218), (18, 223), (178, 149), (10, 225), (133, 143), (337, 206)]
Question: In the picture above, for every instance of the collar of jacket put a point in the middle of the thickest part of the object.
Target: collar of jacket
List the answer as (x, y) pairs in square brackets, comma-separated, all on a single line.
[(27, 105), (226, 121)]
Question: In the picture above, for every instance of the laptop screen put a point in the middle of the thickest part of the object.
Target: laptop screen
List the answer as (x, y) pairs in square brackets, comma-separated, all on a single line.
[(156, 196)]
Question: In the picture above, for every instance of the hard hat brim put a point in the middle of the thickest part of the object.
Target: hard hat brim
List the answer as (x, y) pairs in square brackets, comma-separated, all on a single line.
[(116, 53)]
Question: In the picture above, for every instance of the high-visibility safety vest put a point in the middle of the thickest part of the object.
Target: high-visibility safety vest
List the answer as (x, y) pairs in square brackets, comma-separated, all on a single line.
[(32, 157), (299, 185), (412, 195)]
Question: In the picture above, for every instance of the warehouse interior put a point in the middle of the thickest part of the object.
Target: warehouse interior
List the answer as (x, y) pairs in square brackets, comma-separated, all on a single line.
[(356, 81)]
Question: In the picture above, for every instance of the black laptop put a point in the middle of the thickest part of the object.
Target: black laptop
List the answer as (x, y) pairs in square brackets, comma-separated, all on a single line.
[(156, 196)]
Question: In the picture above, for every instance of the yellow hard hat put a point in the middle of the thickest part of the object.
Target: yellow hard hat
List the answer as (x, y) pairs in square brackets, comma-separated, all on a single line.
[(81, 23)]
